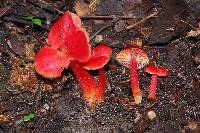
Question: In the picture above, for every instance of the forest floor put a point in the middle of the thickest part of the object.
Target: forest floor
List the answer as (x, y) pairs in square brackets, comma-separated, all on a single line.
[(171, 38)]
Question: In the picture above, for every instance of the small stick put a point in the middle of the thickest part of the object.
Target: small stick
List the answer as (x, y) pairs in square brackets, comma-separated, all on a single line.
[(124, 82), (141, 21), (108, 17), (17, 20)]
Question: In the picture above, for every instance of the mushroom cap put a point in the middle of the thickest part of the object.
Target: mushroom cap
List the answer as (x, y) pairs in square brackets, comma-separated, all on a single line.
[(160, 71), (67, 40), (50, 63), (68, 34), (100, 56), (124, 57)]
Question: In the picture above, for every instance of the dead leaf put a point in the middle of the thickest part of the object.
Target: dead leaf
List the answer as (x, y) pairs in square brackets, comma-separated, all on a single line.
[(192, 125), (195, 32), (4, 118), (81, 8), (24, 77), (15, 44), (29, 52), (168, 24), (105, 8)]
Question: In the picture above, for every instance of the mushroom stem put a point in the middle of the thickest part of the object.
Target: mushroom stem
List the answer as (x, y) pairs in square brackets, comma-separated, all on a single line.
[(91, 92), (102, 81), (137, 94), (152, 87)]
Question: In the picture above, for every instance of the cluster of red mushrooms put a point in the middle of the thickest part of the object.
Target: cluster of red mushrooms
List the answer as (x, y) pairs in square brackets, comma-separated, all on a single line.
[(68, 45)]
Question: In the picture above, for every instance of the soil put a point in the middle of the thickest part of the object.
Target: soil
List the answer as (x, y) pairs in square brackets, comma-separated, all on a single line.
[(57, 103)]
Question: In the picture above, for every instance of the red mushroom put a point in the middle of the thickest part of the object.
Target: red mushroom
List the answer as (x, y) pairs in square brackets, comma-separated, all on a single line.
[(93, 93), (133, 58), (68, 43), (155, 71)]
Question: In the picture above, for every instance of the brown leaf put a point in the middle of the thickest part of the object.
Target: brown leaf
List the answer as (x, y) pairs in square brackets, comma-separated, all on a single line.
[(105, 8), (4, 118), (168, 24), (15, 44), (195, 32), (81, 8)]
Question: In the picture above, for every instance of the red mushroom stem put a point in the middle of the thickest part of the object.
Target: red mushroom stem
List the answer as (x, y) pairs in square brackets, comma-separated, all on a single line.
[(92, 93), (102, 82), (134, 81), (152, 87)]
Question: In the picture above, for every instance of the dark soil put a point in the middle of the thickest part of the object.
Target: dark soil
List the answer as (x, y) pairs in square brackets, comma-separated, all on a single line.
[(57, 103)]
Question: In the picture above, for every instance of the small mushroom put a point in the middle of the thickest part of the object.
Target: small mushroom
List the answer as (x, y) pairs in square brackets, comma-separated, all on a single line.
[(155, 71), (134, 58)]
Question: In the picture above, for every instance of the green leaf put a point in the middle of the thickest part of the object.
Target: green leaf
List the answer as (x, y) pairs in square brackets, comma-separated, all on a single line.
[(37, 21), (28, 117), (25, 118)]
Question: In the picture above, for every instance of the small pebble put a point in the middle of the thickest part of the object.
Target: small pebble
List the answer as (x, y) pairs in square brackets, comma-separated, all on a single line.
[(46, 106), (98, 38), (151, 115)]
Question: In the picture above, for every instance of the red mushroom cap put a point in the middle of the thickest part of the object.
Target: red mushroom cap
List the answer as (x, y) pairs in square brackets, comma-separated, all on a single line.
[(50, 62), (100, 56), (77, 47), (124, 57), (68, 34), (67, 40), (160, 71)]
